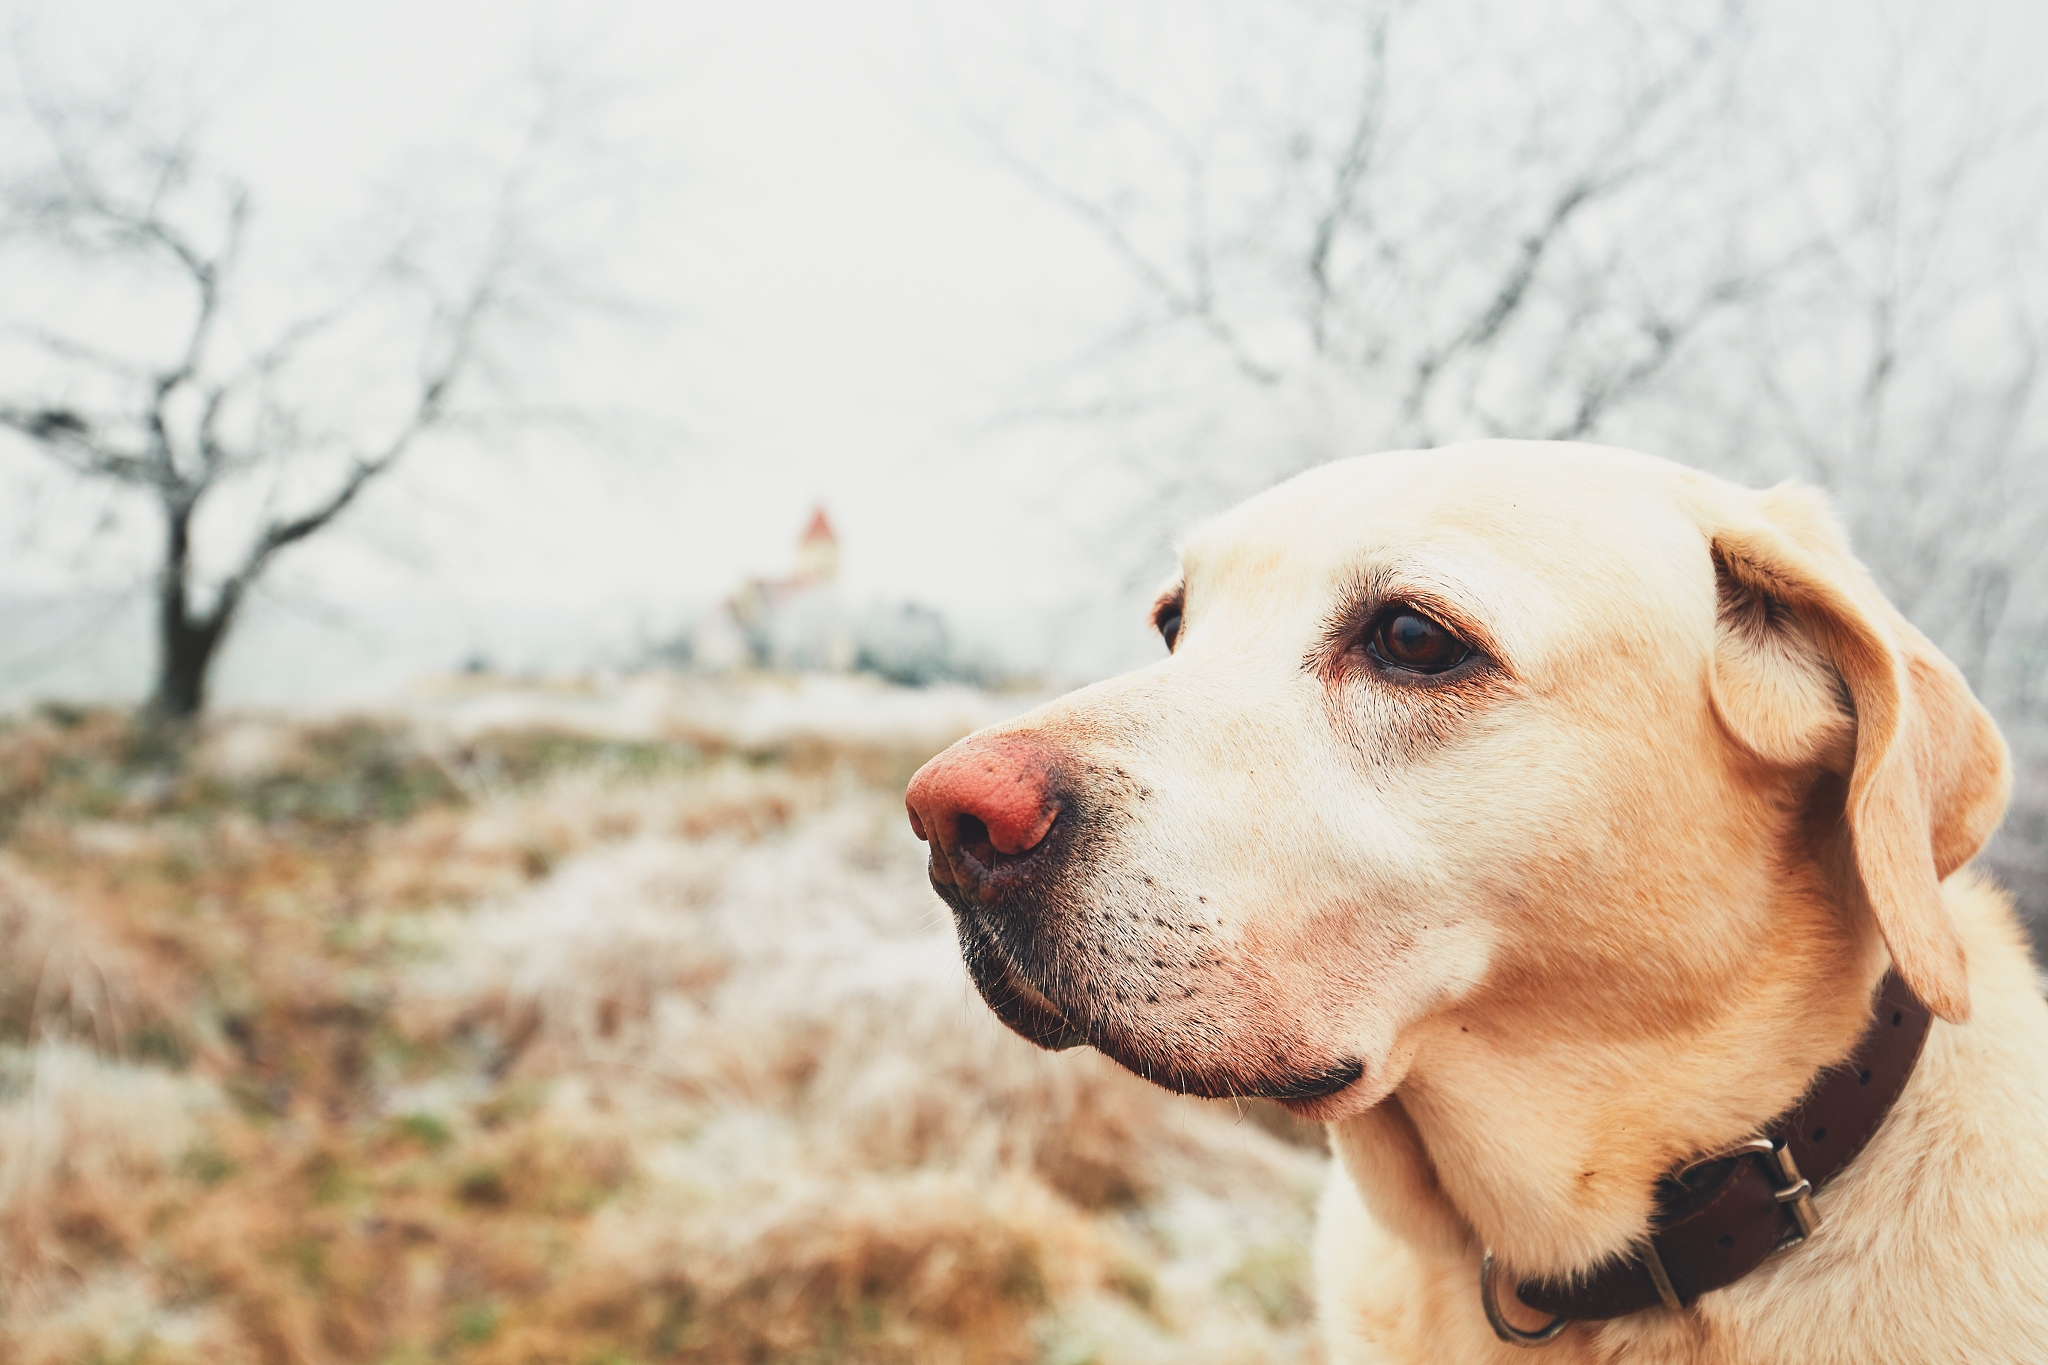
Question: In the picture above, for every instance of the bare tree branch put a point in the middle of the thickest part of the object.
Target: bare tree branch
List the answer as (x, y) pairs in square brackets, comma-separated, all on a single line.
[(1354, 164), (199, 420), (1195, 302)]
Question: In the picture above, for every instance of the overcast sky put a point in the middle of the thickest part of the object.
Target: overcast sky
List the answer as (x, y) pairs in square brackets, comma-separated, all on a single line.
[(834, 292), (839, 290)]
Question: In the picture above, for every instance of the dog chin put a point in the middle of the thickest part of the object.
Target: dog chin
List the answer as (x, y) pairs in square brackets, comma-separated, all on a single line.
[(1328, 1086), (1021, 1006), (1377, 1079), (1347, 1102), (1331, 1092)]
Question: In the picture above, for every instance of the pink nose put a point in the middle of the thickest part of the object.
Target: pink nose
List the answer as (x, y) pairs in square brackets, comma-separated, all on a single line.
[(984, 795)]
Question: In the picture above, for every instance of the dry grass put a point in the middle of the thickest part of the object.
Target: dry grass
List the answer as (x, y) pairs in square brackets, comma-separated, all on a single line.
[(356, 1043)]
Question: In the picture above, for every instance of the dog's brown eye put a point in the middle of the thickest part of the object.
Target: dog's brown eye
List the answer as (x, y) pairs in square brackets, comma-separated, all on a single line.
[(1168, 621), (1404, 638)]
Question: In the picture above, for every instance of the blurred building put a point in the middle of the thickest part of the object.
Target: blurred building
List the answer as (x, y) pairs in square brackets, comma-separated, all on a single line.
[(798, 622), (817, 554)]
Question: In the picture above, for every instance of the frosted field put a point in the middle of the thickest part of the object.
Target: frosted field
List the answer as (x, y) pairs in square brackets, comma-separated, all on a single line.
[(600, 1023)]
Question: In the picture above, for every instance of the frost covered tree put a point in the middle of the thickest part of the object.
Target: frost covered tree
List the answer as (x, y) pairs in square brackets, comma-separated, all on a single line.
[(1770, 243), (155, 361)]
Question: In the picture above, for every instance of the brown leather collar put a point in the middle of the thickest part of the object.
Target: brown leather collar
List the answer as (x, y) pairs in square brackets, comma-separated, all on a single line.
[(1718, 1219)]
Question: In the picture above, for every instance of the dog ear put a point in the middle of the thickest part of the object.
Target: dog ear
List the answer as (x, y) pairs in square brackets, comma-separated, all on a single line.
[(1813, 668)]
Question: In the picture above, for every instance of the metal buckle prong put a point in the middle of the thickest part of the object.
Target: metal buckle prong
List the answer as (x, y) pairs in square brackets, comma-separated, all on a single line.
[(1796, 1193)]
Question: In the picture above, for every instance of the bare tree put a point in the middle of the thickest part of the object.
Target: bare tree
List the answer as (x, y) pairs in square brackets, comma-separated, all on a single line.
[(1465, 279), (211, 430), (1903, 371), (1379, 223)]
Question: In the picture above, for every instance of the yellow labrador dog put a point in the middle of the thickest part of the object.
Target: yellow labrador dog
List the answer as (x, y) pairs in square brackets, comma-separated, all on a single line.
[(1582, 838)]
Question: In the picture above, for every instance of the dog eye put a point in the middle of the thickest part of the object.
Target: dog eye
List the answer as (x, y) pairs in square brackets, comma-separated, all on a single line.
[(1168, 622), (1404, 638)]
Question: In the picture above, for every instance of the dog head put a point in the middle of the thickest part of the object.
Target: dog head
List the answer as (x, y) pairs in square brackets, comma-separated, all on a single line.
[(1545, 721)]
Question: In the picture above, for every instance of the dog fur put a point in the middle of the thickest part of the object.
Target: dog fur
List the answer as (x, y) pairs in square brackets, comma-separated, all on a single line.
[(1530, 934)]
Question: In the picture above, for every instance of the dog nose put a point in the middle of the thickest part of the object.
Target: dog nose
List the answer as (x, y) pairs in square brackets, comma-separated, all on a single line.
[(978, 800)]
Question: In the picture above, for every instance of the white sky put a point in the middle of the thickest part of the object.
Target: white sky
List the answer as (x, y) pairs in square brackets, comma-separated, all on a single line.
[(841, 293), (842, 288)]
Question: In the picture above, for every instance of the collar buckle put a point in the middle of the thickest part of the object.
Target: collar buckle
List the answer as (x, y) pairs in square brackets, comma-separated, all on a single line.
[(1789, 1187)]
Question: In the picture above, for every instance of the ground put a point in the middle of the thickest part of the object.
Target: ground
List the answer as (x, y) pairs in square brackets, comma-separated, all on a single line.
[(603, 1025)]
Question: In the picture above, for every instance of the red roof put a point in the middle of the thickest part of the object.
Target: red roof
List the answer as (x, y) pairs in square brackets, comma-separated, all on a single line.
[(820, 529)]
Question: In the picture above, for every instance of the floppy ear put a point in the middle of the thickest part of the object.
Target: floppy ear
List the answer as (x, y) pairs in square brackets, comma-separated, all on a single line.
[(1813, 668)]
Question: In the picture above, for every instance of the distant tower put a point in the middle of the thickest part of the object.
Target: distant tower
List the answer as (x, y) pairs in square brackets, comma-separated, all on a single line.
[(817, 554)]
